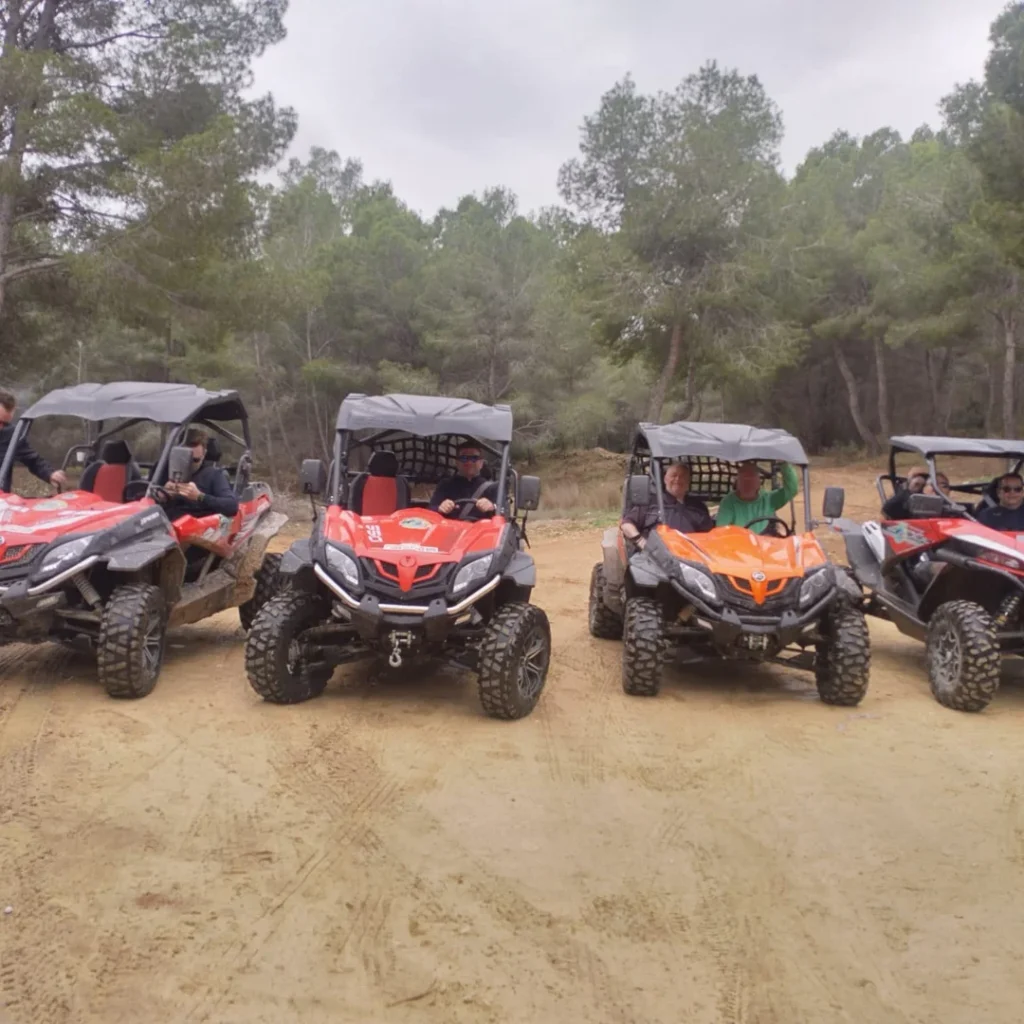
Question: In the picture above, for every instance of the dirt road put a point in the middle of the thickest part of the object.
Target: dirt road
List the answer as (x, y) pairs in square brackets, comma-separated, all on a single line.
[(732, 851)]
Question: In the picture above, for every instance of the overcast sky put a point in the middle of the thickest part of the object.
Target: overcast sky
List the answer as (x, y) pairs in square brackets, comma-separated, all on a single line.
[(445, 97)]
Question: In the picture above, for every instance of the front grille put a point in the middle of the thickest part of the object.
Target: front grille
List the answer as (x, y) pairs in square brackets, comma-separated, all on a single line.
[(17, 560), (384, 576), (736, 593)]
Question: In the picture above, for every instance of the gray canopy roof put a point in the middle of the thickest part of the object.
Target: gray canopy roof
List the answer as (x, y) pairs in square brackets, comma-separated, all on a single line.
[(159, 403), (424, 416), (730, 442), (980, 446)]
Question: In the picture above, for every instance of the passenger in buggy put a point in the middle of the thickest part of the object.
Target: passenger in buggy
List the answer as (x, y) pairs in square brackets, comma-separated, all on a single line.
[(683, 512)]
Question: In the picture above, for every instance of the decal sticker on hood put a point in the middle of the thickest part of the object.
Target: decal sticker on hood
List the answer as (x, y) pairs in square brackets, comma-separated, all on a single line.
[(904, 533), (415, 523), (411, 547)]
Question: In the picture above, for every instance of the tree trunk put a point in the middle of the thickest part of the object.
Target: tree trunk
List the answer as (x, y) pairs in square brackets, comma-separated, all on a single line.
[(675, 346), (883, 389), (13, 160), (1009, 373), (993, 403), (936, 368), (853, 394)]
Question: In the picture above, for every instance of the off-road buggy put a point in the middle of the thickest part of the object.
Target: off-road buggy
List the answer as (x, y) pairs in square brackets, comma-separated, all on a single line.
[(385, 575), (728, 593), (102, 564), (941, 576)]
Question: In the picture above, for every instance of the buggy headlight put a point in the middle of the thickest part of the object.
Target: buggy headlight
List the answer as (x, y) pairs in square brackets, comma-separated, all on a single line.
[(342, 564), (63, 556), (470, 573), (815, 587), (699, 582)]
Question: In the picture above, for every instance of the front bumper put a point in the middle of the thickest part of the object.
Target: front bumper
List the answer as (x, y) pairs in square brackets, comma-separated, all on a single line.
[(27, 611), (374, 619), (729, 627)]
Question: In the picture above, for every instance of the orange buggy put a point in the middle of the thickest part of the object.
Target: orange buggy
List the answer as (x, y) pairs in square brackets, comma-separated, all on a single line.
[(731, 592)]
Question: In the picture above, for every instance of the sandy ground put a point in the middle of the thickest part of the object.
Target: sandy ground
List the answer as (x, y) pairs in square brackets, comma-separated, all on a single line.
[(730, 852)]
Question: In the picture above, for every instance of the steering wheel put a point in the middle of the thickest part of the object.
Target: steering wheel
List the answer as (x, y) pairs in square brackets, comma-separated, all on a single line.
[(772, 519), (469, 504), (146, 486)]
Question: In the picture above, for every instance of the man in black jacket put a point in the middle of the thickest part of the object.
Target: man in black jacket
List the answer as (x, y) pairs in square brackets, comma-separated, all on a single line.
[(464, 484), (207, 492), (25, 454), (1008, 515)]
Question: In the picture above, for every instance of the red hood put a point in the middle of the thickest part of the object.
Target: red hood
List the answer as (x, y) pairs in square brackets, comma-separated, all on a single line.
[(42, 520), (420, 534)]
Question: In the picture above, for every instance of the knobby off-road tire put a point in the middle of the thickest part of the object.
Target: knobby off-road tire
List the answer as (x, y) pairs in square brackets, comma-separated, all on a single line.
[(842, 664), (514, 656), (272, 664), (963, 656), (268, 583), (644, 647), (604, 623), (132, 640)]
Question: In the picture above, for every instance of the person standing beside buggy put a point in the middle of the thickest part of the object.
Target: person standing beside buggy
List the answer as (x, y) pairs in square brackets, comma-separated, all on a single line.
[(683, 512), (25, 454), (748, 501)]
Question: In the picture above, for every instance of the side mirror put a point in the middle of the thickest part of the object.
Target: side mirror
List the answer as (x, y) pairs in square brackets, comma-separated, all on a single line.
[(313, 477), (528, 493), (927, 506), (179, 464), (833, 502), (640, 490)]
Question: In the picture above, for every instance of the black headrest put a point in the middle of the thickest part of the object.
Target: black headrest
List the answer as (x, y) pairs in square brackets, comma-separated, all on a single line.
[(116, 452), (213, 451), (383, 463)]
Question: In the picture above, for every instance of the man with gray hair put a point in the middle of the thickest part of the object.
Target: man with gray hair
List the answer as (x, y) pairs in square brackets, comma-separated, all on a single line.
[(682, 511)]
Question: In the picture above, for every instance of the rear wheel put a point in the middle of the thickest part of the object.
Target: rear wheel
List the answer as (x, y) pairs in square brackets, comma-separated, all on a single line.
[(277, 663), (644, 647), (963, 656), (843, 661), (268, 582), (514, 656), (130, 648), (604, 623)]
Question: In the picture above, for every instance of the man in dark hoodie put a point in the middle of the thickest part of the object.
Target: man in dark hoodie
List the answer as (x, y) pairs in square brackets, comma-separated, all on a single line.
[(208, 491), (26, 454)]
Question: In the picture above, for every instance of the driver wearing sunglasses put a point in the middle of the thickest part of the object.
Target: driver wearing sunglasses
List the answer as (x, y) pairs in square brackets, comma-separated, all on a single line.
[(1009, 513), (453, 492)]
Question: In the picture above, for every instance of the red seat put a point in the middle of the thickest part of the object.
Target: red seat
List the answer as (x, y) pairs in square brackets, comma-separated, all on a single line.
[(380, 490), (110, 473)]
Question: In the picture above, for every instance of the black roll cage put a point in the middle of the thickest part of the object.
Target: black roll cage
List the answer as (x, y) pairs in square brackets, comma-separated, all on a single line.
[(96, 435)]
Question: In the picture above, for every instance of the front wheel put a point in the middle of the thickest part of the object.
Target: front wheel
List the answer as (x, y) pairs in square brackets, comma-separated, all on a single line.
[(963, 656), (131, 643), (644, 647), (268, 583), (603, 622), (514, 655), (843, 659), (278, 664)]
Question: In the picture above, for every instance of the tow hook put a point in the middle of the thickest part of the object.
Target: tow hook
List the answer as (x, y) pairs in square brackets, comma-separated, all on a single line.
[(399, 639)]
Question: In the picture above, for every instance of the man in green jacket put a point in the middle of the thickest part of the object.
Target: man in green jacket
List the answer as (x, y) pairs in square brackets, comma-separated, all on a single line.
[(747, 501)]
